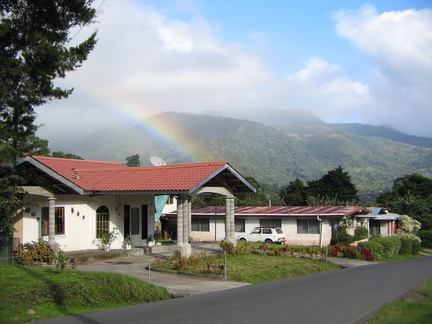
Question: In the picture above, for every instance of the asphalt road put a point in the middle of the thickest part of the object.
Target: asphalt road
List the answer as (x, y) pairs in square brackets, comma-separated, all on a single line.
[(343, 296)]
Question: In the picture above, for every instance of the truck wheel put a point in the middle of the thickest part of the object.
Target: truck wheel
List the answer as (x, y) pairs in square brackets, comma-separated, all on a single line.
[(268, 241), (242, 239)]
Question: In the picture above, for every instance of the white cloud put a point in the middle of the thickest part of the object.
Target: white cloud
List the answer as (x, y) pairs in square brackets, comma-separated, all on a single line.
[(145, 63), (324, 90), (399, 44)]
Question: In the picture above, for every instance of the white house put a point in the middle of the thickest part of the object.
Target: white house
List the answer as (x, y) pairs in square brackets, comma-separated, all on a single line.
[(72, 201), (302, 225)]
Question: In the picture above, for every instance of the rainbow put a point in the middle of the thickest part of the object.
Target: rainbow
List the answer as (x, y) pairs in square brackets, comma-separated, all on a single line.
[(129, 109)]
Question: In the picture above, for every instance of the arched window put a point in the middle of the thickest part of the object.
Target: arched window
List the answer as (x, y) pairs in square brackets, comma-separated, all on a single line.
[(102, 221)]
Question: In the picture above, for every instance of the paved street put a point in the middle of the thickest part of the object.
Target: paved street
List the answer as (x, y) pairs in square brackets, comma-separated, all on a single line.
[(344, 296)]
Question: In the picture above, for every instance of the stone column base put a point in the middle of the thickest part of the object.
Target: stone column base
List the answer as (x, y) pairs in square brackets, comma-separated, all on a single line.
[(185, 250), (232, 240)]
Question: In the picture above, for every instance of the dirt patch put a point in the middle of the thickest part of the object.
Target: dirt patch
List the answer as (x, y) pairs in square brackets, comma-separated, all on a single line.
[(415, 297)]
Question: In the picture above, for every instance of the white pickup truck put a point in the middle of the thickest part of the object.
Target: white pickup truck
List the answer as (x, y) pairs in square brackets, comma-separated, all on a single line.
[(268, 235)]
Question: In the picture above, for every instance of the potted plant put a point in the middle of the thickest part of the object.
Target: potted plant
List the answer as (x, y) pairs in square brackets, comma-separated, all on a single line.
[(150, 240), (158, 237), (127, 242), (106, 238)]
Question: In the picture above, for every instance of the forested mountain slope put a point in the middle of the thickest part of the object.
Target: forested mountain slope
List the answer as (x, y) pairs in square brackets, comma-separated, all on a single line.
[(269, 154)]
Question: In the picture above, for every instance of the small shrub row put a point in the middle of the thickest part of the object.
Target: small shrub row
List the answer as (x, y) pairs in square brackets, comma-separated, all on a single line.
[(391, 246), (426, 239), (351, 252)]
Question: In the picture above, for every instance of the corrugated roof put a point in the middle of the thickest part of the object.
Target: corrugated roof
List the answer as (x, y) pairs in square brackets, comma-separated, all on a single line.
[(325, 211)]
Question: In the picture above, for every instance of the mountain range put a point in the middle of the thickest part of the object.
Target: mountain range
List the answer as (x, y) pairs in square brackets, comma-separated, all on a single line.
[(276, 148)]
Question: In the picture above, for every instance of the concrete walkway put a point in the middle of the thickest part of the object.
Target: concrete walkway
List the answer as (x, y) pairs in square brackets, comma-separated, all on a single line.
[(135, 265)]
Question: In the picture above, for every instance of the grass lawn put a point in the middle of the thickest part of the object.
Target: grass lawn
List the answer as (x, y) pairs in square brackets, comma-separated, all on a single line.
[(406, 311), (251, 268), (33, 293)]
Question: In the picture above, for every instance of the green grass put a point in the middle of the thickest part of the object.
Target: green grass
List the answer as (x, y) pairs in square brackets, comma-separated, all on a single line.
[(398, 258), (251, 268), (406, 311), (34, 293)]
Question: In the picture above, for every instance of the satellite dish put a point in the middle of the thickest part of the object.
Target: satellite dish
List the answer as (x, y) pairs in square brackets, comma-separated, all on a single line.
[(157, 161)]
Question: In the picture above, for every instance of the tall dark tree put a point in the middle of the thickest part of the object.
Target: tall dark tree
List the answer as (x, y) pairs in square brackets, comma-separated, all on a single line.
[(295, 194), (34, 51), (336, 185), (35, 38), (411, 195)]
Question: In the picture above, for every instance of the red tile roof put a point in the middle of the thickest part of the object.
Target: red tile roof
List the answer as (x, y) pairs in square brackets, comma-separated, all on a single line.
[(286, 211), (115, 177)]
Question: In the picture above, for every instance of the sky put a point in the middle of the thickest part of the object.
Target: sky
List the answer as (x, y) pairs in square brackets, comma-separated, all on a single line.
[(343, 61)]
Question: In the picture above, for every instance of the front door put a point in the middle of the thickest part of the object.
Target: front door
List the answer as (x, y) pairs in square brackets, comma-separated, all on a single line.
[(135, 225)]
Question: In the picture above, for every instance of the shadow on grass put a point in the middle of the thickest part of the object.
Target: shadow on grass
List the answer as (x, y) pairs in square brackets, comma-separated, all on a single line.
[(55, 292)]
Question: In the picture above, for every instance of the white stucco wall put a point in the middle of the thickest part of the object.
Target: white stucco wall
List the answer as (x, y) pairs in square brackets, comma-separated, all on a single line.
[(289, 226), (80, 225)]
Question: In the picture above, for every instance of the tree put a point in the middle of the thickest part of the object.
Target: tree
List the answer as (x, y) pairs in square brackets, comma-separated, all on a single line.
[(335, 185), (413, 184), (34, 51), (252, 199), (410, 195), (60, 154), (295, 194), (133, 161)]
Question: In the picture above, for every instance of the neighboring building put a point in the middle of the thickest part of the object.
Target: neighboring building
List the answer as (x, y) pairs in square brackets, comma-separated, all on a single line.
[(382, 222), (302, 225), (73, 201)]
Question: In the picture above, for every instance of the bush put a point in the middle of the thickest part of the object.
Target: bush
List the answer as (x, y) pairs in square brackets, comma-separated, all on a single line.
[(374, 247), (416, 247), (367, 254), (33, 253), (426, 239), (406, 247), (350, 252), (361, 232), (397, 242), (341, 237), (391, 246)]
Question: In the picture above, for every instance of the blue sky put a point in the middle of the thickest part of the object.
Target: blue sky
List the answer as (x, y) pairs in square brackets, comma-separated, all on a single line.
[(343, 61)]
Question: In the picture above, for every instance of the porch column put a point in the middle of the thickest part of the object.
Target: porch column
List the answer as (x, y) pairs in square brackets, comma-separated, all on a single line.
[(229, 220), (51, 224), (180, 218), (190, 216), (186, 219), (183, 214)]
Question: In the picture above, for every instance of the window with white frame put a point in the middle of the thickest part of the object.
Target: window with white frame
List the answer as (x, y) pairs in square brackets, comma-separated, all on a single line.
[(270, 222), (308, 226), (200, 224), (102, 221), (239, 225)]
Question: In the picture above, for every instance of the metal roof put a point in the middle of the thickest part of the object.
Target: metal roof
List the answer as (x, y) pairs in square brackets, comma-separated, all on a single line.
[(281, 211)]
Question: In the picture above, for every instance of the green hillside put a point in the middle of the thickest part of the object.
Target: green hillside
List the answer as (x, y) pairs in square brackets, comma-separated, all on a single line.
[(270, 155)]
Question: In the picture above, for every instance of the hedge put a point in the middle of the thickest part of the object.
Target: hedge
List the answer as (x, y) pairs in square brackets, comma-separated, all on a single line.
[(391, 245), (416, 247), (426, 238), (407, 246), (375, 247)]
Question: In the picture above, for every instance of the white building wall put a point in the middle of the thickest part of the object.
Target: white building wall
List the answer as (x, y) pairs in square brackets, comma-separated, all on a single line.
[(80, 223)]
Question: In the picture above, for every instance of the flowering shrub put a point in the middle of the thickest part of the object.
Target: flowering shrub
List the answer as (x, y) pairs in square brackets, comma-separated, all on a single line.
[(33, 253), (367, 253)]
